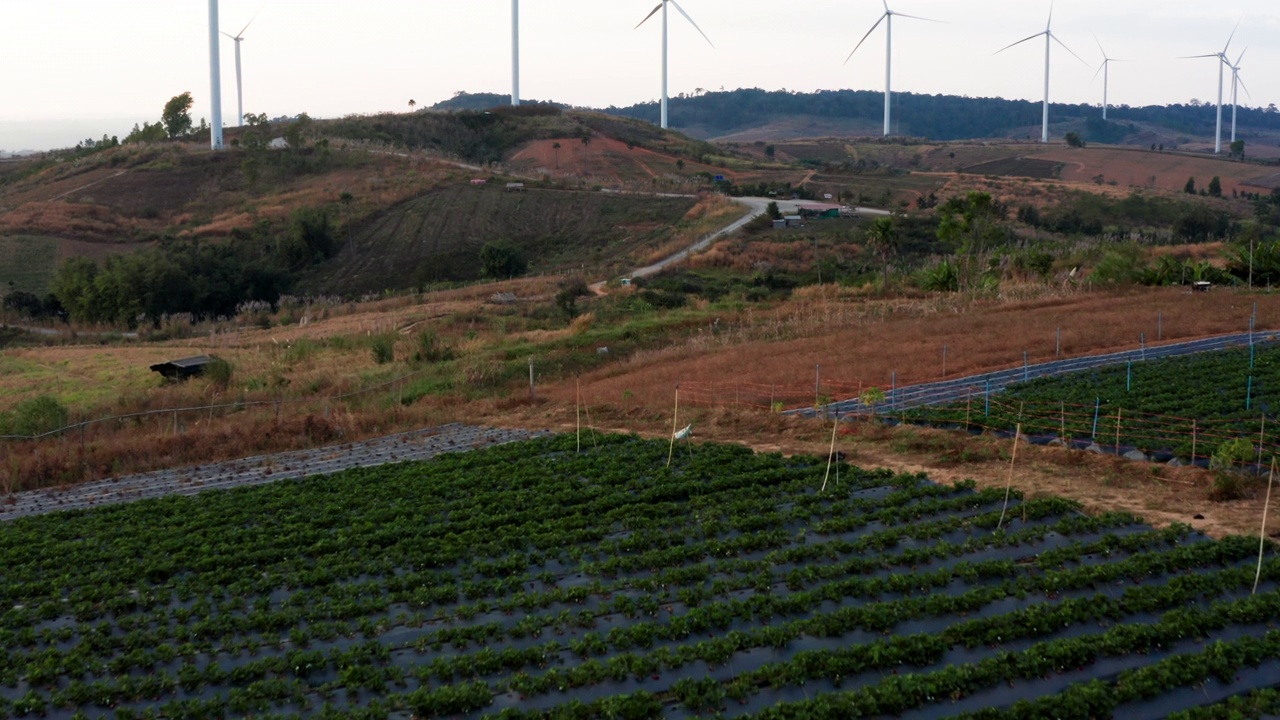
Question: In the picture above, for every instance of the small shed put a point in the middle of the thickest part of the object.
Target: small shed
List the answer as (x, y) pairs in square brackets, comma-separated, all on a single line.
[(183, 369), (1201, 286), (515, 187), (793, 221), (479, 181)]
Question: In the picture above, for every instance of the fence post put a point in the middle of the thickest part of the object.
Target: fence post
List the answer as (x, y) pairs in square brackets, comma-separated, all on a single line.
[(1062, 421), (1159, 325), (1128, 381), (1026, 367), (817, 380), (1118, 412), (988, 408), (1248, 395), (1097, 407), (532, 393), (968, 408), (944, 361), (1194, 428), (1262, 437), (1142, 340), (1058, 347), (893, 388)]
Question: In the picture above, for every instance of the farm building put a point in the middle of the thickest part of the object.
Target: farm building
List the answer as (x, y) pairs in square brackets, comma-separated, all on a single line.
[(184, 368)]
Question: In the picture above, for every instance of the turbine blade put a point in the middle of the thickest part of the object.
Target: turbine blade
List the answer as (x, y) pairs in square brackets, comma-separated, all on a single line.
[(1233, 35), (1242, 52), (917, 17), (1050, 23), (691, 22), (886, 7), (255, 17), (864, 37), (646, 17), (1099, 72), (1006, 47), (1196, 57), (1243, 87), (1064, 47), (1104, 52), (233, 37)]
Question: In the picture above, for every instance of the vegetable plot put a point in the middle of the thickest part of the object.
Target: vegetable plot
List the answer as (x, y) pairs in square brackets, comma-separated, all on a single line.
[(1178, 406), (532, 581)]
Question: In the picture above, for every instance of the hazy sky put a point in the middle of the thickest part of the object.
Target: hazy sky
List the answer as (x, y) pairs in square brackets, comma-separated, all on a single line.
[(76, 68)]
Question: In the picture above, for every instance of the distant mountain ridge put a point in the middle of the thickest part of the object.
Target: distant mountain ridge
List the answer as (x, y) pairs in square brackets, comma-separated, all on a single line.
[(712, 115)]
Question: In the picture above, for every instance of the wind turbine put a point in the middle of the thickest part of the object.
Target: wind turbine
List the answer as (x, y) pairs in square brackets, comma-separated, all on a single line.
[(1236, 84), (237, 38), (663, 7), (1105, 69), (515, 52), (215, 78), (1048, 37), (887, 19), (1222, 60)]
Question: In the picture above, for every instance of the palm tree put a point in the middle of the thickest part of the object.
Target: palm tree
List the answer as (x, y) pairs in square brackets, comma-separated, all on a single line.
[(882, 239), (556, 147), (412, 103)]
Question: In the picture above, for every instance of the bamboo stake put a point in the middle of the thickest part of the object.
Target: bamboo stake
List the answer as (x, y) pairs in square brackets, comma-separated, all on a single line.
[(1009, 485), (830, 454), (1118, 413), (1262, 534), (591, 426), (675, 419), (577, 409), (1262, 437)]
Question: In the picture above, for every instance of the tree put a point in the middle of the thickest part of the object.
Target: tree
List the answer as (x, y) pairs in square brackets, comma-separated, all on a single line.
[(680, 164), (882, 239), (770, 151), (412, 103), (970, 225), (177, 115), (296, 134), (500, 260), (1237, 149), (1074, 140), (1215, 187), (556, 147), (772, 211), (1190, 187)]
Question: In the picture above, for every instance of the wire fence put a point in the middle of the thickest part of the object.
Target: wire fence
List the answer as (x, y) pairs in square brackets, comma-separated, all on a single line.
[(976, 403)]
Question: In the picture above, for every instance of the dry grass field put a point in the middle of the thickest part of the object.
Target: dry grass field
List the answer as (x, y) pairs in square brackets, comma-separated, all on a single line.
[(1145, 169)]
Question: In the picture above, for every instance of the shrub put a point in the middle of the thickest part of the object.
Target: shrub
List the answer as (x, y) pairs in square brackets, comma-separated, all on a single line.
[(384, 348), (430, 349), (36, 416), (219, 372)]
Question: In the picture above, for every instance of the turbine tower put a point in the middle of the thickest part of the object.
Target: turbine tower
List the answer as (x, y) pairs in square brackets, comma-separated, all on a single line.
[(663, 7), (237, 38), (1105, 69), (1049, 39), (215, 78), (1222, 60), (887, 19), (515, 52), (1236, 84)]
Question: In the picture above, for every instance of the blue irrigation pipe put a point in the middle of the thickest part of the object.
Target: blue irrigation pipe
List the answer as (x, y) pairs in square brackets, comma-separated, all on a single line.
[(1248, 397), (1251, 353)]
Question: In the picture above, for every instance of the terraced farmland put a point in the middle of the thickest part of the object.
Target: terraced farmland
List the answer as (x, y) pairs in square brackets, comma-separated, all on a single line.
[(538, 579)]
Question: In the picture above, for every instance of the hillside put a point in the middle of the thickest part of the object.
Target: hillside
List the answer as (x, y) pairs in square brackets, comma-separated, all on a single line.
[(438, 236)]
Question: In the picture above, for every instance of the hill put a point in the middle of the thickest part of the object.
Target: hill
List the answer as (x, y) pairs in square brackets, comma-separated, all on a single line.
[(752, 114), (438, 236)]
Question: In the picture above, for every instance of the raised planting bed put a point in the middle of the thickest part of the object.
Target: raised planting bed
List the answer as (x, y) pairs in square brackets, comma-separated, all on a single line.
[(529, 580)]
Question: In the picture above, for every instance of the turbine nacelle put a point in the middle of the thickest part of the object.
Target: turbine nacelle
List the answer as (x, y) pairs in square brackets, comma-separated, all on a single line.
[(662, 6), (888, 53)]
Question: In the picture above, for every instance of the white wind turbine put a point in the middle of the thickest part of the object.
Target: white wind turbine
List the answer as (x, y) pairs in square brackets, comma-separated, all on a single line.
[(887, 19), (215, 78), (1105, 69), (1049, 39), (663, 7), (1222, 60), (515, 52), (1236, 84), (237, 38)]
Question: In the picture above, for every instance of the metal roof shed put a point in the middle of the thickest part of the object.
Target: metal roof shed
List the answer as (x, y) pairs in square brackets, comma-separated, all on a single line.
[(184, 368)]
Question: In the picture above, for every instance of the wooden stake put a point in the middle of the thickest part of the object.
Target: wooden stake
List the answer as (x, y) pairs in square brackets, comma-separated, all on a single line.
[(577, 410), (1194, 424), (591, 426), (830, 454), (675, 419), (1017, 436), (1118, 413), (1262, 534)]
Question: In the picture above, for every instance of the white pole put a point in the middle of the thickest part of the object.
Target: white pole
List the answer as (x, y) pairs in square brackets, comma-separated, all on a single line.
[(239, 88), (888, 70), (1106, 81), (664, 64), (1044, 128), (1217, 142), (215, 78), (1235, 97), (515, 52)]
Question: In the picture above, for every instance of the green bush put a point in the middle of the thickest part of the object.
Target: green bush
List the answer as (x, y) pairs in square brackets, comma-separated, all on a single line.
[(219, 372), (36, 416), (430, 349), (384, 349)]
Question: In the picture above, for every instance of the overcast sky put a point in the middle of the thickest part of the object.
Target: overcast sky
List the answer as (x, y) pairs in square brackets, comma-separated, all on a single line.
[(76, 68)]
